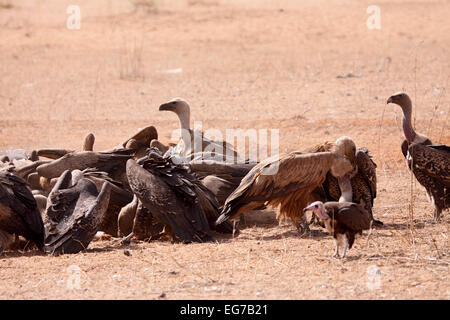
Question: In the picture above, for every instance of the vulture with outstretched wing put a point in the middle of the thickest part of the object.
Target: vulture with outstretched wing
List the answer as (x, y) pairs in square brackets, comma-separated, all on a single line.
[(74, 214), (343, 220), (430, 162), (288, 180), (18, 209)]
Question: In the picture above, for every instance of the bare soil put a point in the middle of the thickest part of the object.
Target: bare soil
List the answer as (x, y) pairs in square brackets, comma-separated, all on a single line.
[(244, 64)]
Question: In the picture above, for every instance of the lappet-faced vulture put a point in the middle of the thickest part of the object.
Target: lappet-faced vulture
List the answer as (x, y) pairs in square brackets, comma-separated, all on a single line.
[(174, 197), (195, 142), (343, 221), (74, 214), (430, 162), (18, 210), (363, 180), (288, 180)]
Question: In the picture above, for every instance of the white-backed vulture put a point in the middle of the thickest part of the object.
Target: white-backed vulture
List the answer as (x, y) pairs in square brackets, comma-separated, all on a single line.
[(195, 142), (288, 180), (138, 142), (119, 197), (343, 220), (430, 162), (175, 197), (18, 209), (111, 162), (74, 214)]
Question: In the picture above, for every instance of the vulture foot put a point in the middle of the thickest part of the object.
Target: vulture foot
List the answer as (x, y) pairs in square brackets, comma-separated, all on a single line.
[(377, 223), (303, 229)]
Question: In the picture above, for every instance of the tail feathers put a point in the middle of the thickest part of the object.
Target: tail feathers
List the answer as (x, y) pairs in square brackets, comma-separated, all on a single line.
[(223, 217)]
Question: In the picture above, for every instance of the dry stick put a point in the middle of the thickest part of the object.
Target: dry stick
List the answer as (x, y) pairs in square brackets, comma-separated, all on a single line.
[(379, 141), (436, 107), (445, 123), (411, 201)]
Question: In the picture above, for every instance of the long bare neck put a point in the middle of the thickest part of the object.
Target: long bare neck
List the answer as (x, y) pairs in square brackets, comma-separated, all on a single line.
[(408, 129), (185, 120), (185, 131)]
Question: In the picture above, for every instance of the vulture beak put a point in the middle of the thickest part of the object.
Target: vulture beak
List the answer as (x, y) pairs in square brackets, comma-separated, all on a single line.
[(390, 100), (167, 107)]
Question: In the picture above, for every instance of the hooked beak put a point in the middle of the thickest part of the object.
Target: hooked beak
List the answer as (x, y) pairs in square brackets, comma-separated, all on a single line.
[(390, 100), (167, 107)]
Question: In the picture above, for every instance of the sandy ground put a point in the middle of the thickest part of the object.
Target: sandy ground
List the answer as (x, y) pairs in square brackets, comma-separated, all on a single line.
[(244, 64)]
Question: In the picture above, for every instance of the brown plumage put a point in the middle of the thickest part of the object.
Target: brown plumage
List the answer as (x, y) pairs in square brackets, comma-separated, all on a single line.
[(111, 162), (18, 209), (288, 180), (430, 162), (88, 144), (343, 220), (174, 197), (219, 177), (74, 214), (363, 181)]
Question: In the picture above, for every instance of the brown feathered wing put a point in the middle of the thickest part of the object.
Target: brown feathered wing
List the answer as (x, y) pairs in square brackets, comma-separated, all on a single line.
[(286, 180)]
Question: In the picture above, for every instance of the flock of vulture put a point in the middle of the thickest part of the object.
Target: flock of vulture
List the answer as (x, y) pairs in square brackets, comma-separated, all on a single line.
[(60, 199)]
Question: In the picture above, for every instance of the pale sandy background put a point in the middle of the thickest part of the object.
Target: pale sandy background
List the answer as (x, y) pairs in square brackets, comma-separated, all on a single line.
[(245, 64)]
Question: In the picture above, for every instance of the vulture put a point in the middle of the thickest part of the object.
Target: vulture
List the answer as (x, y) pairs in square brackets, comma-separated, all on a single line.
[(189, 143), (430, 162), (289, 180), (220, 177), (75, 211), (111, 162), (363, 181), (119, 197), (175, 197), (344, 220), (19, 213)]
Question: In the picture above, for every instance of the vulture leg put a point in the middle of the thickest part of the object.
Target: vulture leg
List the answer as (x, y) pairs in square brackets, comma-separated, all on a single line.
[(126, 240), (303, 226), (345, 240), (126, 217), (336, 251)]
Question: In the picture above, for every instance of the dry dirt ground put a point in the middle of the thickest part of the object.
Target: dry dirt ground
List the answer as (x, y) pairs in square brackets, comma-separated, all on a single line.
[(241, 64)]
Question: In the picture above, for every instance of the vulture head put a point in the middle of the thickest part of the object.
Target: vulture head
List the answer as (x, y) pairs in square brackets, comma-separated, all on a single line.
[(345, 157), (181, 108), (401, 99), (318, 209), (177, 105)]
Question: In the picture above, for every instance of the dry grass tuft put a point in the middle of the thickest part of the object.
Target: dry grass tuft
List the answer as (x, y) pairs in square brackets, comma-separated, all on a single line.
[(131, 65)]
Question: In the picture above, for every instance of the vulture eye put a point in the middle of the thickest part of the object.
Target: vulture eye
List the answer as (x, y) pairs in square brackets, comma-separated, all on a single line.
[(316, 206)]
